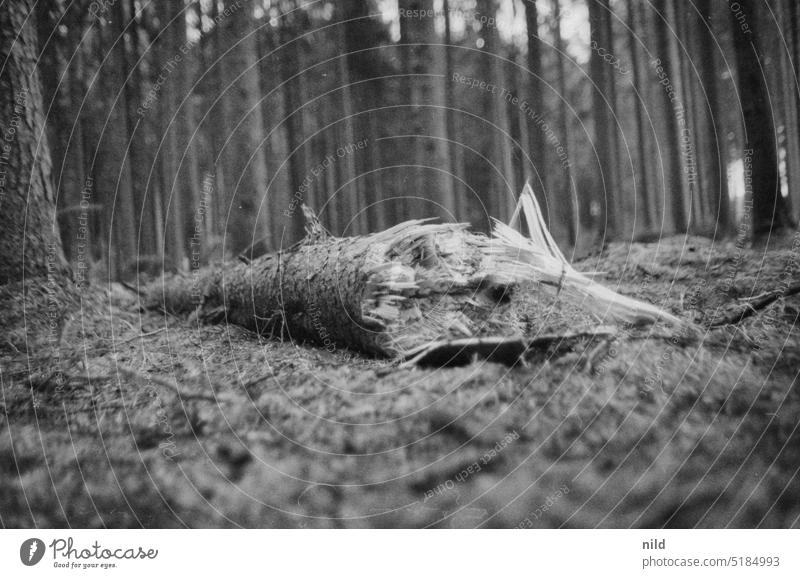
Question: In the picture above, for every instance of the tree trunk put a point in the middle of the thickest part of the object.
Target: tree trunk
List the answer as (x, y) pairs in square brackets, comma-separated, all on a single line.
[(769, 209), (569, 199), (363, 68), (244, 155), (385, 293), (30, 245), (536, 140), (425, 65), (604, 96), (113, 166), (790, 25), (711, 158), (456, 152), (274, 111), (672, 108), (169, 67), (505, 188), (635, 28)]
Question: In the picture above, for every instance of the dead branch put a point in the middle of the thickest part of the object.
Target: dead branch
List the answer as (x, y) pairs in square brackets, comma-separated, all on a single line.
[(755, 305)]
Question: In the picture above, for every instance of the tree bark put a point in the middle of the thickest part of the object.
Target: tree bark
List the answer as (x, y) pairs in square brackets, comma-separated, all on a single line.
[(643, 185), (569, 199), (671, 106), (385, 293), (425, 65), (456, 152), (30, 244), (711, 158), (604, 97), (243, 154), (505, 188), (536, 141), (769, 208)]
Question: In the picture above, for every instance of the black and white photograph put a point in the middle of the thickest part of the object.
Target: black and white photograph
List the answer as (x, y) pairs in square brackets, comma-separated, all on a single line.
[(399, 265)]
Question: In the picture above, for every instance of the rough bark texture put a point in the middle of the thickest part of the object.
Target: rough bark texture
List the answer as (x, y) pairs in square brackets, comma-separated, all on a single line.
[(384, 293), (672, 107), (641, 178), (536, 142), (604, 97), (769, 207), (29, 238), (568, 199)]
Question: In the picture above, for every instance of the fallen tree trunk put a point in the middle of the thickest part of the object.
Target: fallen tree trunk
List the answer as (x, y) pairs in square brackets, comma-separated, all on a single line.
[(399, 291), (385, 293)]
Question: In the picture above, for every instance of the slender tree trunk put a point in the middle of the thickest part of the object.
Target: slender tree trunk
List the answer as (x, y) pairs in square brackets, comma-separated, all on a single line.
[(711, 156), (426, 65), (672, 108), (216, 123), (769, 208), (505, 189), (114, 176), (569, 198), (456, 153), (280, 194), (244, 155), (536, 140), (604, 97), (169, 68), (681, 109), (352, 194), (291, 64), (30, 245), (362, 67), (642, 176), (141, 158), (790, 25)]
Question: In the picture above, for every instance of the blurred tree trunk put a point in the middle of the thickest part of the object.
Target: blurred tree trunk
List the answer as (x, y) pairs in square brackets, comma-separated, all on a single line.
[(711, 154), (681, 112), (635, 29), (351, 196), (684, 39), (279, 195), (789, 15), (769, 208), (604, 97), (536, 141), (456, 153), (291, 64), (568, 202), (169, 65), (141, 157), (362, 33), (114, 175), (505, 191), (244, 156), (30, 245), (216, 119), (425, 65), (673, 180), (61, 113)]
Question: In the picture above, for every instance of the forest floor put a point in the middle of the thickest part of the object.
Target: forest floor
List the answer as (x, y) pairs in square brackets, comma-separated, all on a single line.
[(121, 417)]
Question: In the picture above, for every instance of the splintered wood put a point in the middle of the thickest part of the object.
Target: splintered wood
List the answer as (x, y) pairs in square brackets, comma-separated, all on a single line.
[(405, 292), (385, 293)]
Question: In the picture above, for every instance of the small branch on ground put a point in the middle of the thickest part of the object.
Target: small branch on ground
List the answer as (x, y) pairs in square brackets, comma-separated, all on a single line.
[(755, 305)]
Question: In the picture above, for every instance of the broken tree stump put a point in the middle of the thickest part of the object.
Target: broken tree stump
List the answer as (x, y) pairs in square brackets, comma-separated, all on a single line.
[(385, 293), (395, 292)]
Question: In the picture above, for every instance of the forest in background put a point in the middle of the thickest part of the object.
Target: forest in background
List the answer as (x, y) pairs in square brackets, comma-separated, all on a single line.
[(184, 132)]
